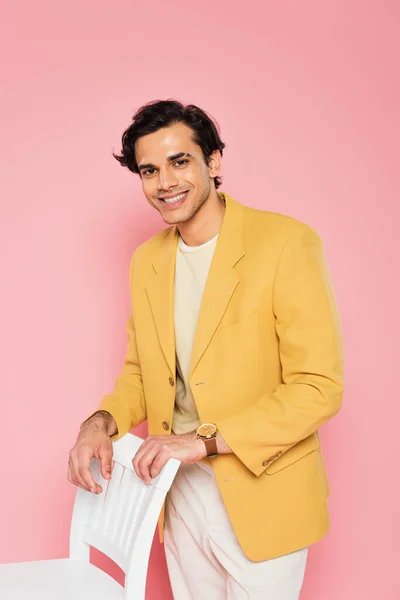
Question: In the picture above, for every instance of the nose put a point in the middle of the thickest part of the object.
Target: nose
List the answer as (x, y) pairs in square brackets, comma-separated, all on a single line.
[(166, 179)]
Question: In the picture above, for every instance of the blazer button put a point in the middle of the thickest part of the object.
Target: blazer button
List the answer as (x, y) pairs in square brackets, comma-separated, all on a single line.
[(266, 463), (171, 381), (165, 425)]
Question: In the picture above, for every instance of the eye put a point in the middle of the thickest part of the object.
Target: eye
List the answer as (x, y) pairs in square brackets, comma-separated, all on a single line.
[(147, 172), (182, 162)]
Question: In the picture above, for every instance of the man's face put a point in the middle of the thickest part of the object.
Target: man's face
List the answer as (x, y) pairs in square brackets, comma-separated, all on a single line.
[(175, 177)]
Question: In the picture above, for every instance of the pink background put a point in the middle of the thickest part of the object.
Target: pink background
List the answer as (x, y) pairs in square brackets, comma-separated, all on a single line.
[(307, 97)]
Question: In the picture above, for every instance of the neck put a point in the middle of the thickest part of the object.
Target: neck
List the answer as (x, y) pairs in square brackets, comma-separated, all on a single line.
[(206, 223)]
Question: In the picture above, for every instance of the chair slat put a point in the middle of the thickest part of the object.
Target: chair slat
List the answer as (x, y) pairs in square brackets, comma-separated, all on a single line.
[(124, 515), (120, 521), (134, 507), (110, 513), (98, 504)]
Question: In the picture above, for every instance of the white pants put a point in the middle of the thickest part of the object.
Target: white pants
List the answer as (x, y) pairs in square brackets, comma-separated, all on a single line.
[(203, 556)]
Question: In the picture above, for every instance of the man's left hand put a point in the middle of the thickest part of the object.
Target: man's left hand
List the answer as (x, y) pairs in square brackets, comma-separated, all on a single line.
[(156, 450)]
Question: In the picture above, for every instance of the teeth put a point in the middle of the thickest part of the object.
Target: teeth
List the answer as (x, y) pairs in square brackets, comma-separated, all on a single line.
[(174, 199)]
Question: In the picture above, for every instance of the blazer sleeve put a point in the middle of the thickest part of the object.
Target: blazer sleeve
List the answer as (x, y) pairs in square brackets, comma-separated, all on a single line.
[(126, 404), (311, 355)]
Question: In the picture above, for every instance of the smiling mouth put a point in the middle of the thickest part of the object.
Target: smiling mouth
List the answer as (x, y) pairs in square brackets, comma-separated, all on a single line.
[(174, 199)]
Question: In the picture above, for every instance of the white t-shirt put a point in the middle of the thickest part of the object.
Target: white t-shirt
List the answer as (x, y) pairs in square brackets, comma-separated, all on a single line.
[(192, 267)]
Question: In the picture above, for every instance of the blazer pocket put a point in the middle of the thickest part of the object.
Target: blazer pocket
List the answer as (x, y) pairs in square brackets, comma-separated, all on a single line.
[(297, 452), (228, 332)]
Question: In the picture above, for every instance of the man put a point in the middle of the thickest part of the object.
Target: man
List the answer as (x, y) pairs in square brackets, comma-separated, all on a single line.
[(235, 360)]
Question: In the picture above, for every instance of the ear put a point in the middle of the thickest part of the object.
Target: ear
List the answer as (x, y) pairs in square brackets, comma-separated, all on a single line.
[(214, 163)]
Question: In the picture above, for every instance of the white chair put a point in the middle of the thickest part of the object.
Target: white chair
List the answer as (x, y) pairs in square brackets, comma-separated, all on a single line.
[(120, 522)]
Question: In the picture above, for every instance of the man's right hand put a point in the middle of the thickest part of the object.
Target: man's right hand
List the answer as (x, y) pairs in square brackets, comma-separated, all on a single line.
[(93, 441)]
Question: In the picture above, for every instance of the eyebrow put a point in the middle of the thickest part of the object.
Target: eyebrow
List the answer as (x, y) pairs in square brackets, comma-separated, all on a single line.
[(169, 159)]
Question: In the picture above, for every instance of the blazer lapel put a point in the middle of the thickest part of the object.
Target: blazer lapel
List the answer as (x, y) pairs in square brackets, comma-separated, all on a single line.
[(160, 292), (222, 278), (221, 283)]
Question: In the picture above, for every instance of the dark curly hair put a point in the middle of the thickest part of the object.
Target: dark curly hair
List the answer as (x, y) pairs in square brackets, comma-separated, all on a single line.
[(162, 113)]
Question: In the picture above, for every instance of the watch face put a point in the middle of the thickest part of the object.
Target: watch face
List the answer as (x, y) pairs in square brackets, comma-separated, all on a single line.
[(207, 430)]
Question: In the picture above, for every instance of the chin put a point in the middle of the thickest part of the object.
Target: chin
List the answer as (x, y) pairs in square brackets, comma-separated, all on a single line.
[(173, 220), (178, 216)]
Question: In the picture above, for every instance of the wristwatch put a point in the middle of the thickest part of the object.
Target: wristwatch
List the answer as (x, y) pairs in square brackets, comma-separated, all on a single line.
[(208, 433)]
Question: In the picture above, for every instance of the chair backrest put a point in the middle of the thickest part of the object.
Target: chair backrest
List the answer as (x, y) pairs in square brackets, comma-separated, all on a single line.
[(120, 522)]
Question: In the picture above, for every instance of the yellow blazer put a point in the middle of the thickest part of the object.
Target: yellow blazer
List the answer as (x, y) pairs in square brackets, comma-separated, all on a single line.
[(267, 368)]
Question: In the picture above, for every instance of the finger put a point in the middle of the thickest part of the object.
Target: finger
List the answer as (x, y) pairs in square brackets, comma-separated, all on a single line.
[(69, 474), (140, 453), (85, 473), (81, 472), (73, 467), (144, 462), (160, 460), (105, 461), (149, 442), (76, 479)]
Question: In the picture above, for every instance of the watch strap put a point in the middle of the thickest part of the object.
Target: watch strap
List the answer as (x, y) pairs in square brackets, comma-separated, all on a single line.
[(211, 446)]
